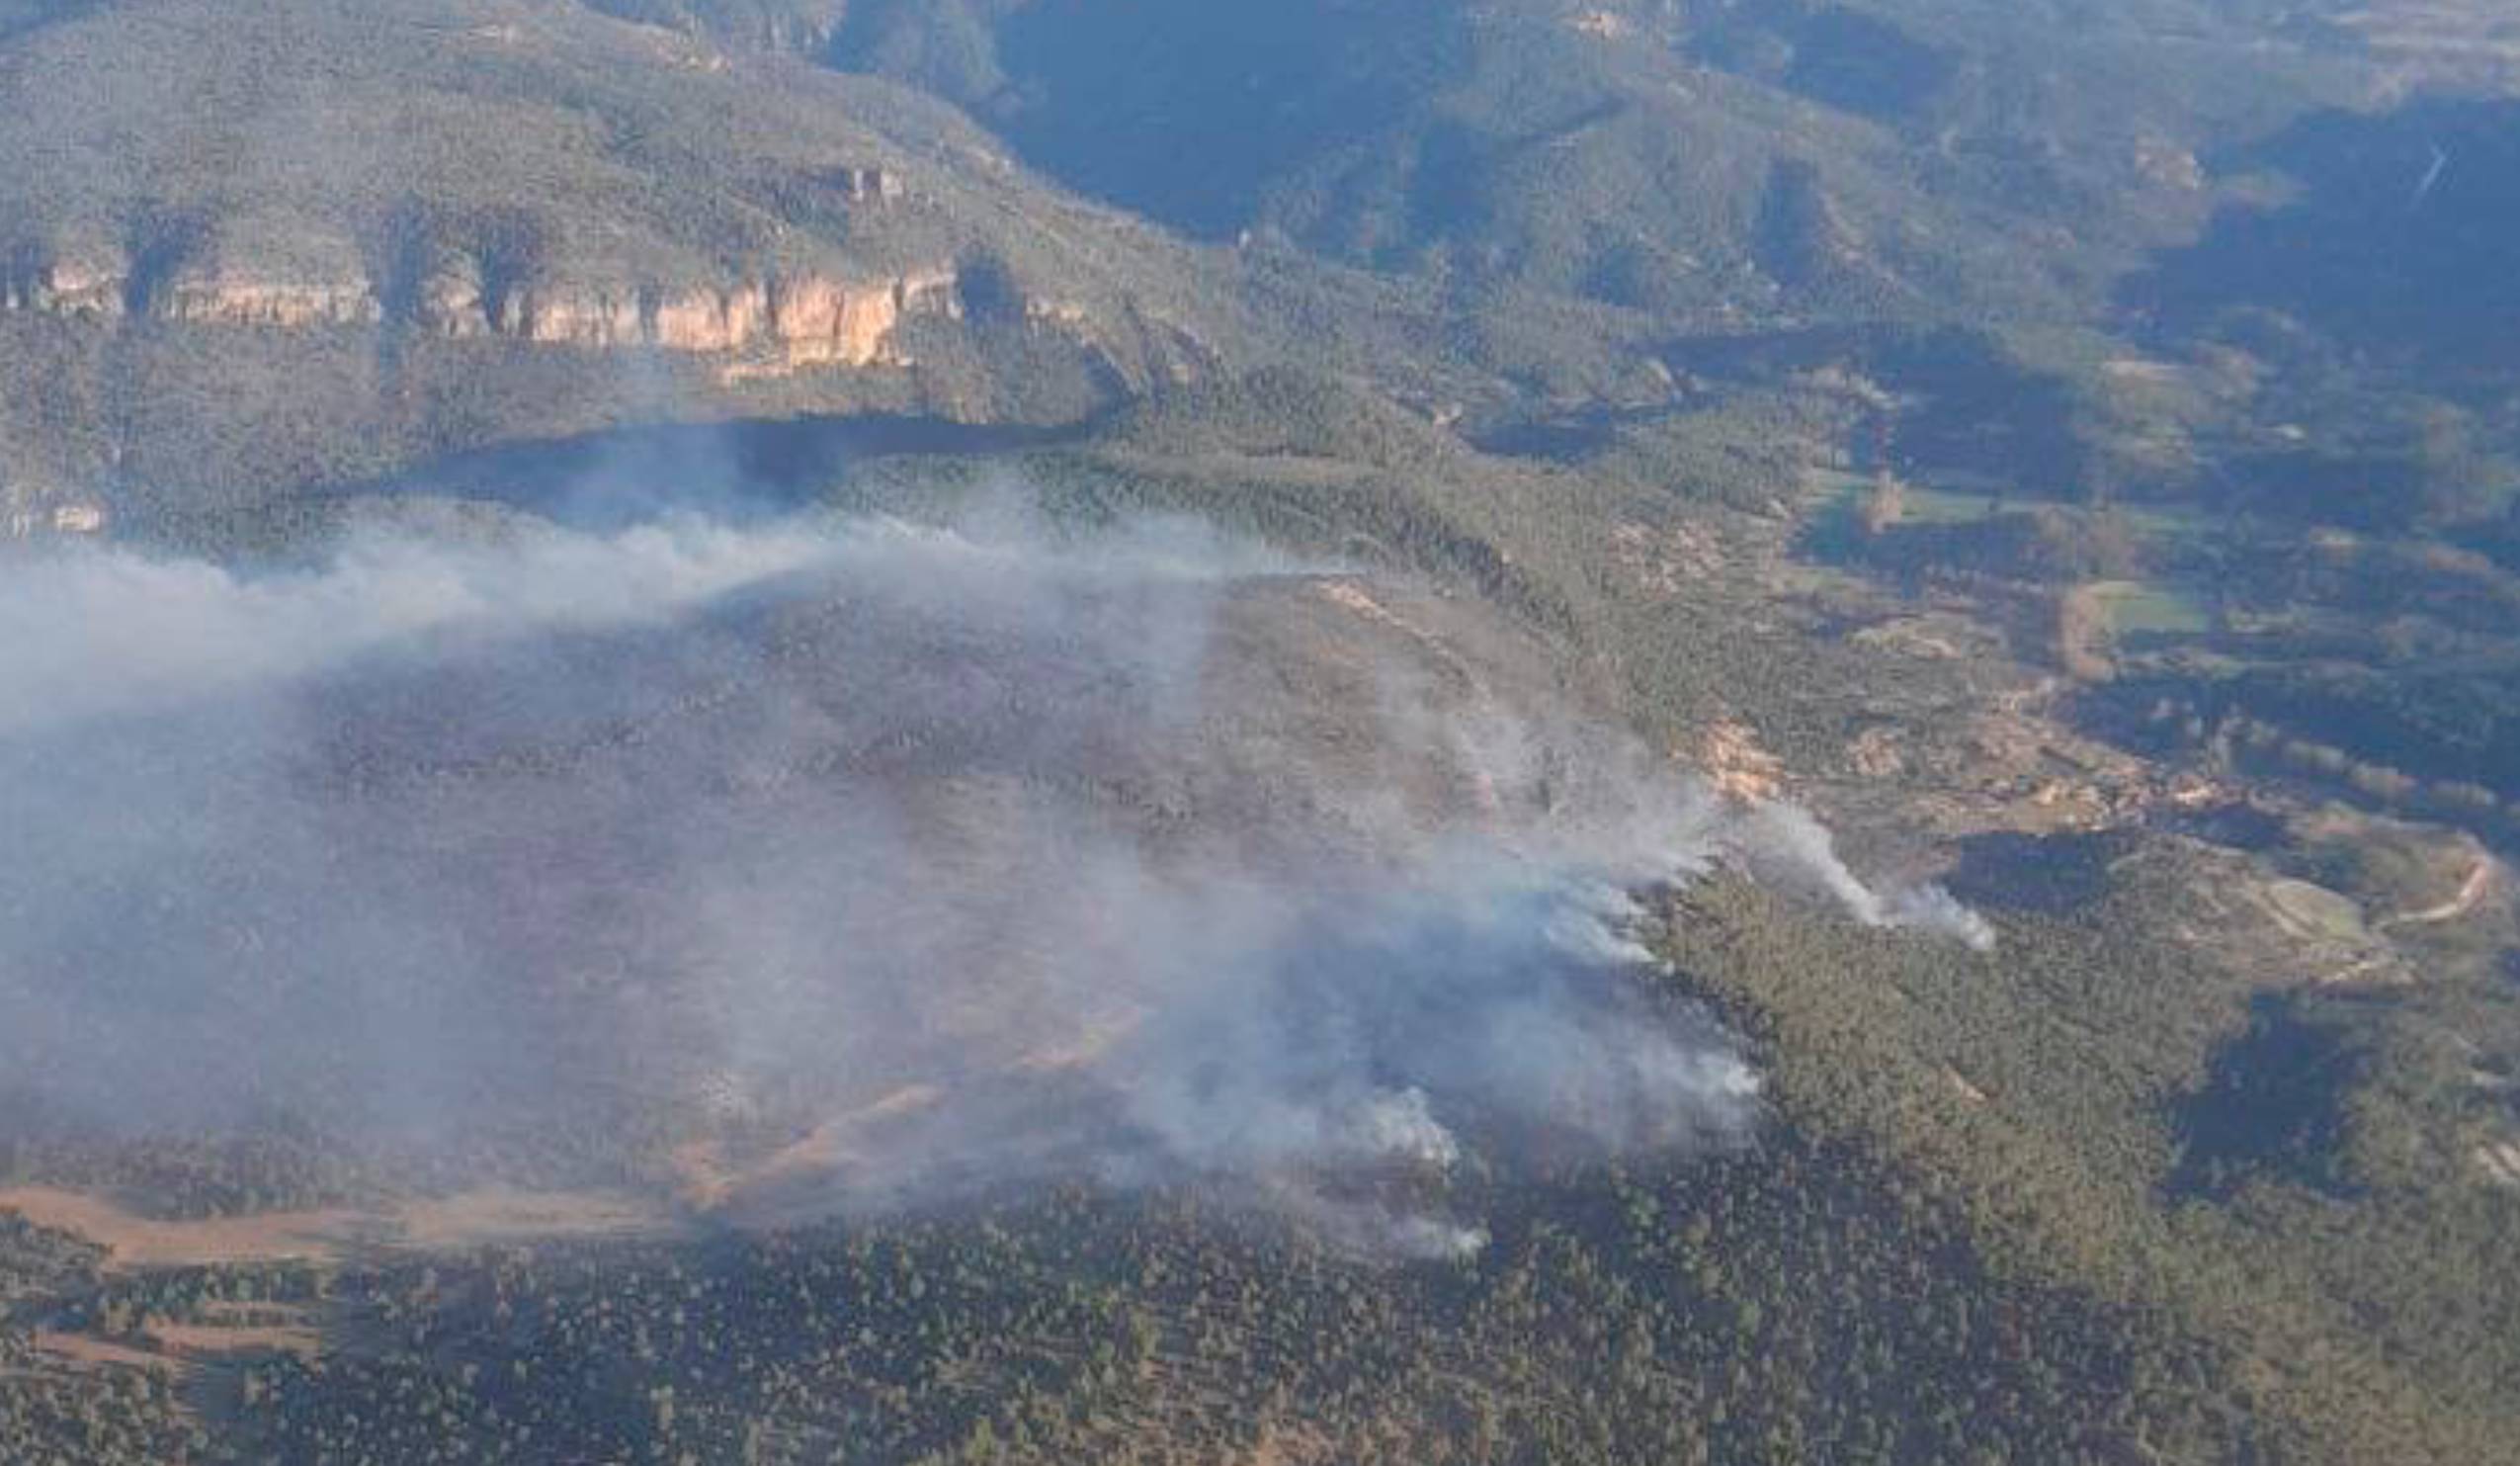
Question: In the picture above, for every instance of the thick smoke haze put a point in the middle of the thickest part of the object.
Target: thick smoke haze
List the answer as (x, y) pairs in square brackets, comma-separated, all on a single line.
[(837, 863)]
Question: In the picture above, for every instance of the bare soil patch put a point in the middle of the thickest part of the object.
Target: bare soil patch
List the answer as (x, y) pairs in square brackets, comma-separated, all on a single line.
[(489, 1215)]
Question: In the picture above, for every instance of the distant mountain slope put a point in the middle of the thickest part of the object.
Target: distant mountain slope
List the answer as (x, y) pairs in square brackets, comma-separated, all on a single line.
[(291, 241), (246, 250), (1720, 161)]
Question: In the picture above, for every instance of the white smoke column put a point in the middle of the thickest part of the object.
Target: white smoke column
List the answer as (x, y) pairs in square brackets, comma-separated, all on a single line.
[(86, 632), (1511, 993), (948, 859), (1783, 843)]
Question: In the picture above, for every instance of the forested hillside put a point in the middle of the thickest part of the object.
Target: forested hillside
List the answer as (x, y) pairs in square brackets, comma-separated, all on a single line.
[(1732, 730)]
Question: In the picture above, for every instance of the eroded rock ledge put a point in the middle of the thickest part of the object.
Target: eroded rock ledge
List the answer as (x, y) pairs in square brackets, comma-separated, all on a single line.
[(771, 323)]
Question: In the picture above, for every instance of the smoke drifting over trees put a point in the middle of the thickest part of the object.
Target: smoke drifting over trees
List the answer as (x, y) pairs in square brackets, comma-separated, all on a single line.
[(830, 864)]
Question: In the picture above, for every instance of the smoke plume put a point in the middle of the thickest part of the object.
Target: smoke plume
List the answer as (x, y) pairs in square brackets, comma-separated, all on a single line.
[(848, 863)]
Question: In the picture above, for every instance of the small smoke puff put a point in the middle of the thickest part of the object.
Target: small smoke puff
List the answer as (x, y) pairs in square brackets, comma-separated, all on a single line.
[(1933, 909), (1783, 844), (1402, 1127), (1583, 935), (1433, 1239)]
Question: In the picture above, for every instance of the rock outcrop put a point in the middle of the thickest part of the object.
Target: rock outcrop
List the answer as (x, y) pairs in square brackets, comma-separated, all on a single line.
[(773, 323), (32, 511), (72, 288), (254, 301)]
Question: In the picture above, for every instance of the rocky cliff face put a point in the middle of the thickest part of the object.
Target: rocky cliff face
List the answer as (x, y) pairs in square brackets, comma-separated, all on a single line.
[(33, 510), (249, 300), (770, 323), (72, 288), (778, 322), (248, 251)]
